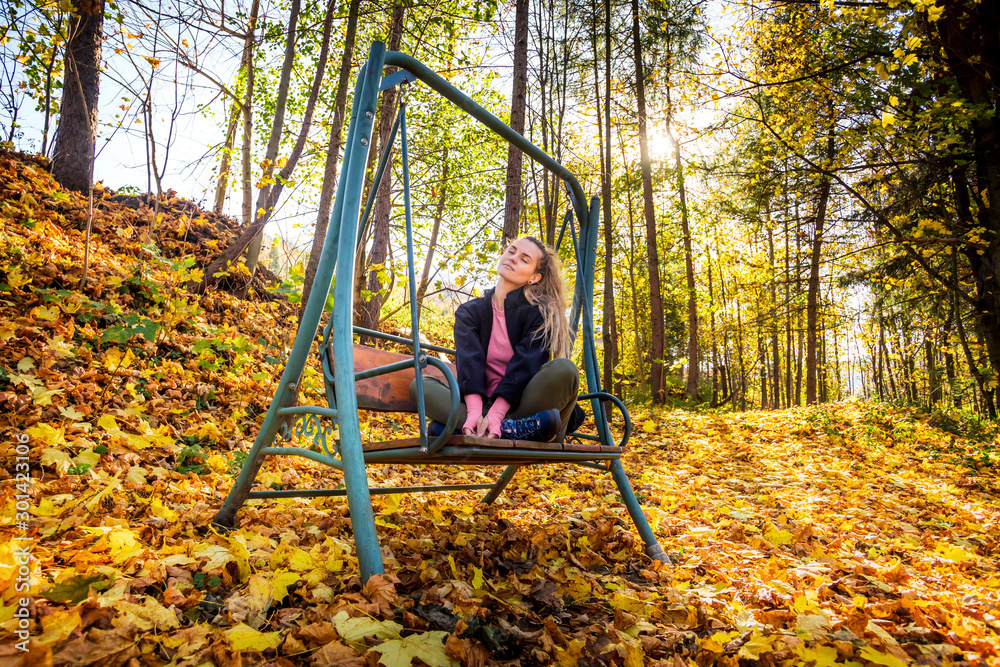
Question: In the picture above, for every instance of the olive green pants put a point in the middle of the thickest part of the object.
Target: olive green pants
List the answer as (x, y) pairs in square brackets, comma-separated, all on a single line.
[(555, 386)]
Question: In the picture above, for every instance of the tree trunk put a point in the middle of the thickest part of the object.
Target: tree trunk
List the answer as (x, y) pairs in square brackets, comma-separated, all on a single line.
[(762, 360), (775, 355), (691, 390), (739, 350), (799, 358), (512, 203), (967, 33), (425, 276), (823, 396), (626, 173), (788, 304), (247, 182), (277, 125), (933, 386), (383, 199), (657, 388), (227, 159), (332, 156), (266, 207), (49, 68), (609, 334), (246, 65), (715, 346), (73, 157), (949, 362), (812, 302), (893, 391), (984, 392), (882, 361)]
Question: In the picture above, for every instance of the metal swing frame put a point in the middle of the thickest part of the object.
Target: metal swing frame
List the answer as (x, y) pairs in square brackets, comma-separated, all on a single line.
[(345, 231)]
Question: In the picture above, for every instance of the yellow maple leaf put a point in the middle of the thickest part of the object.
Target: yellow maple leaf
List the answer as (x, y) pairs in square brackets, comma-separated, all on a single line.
[(216, 556), (428, 646), (280, 582), (756, 645), (57, 458), (47, 433), (260, 593), (954, 552), (879, 658), (112, 485), (17, 279), (148, 616), (46, 314), (114, 359), (244, 638), (295, 558), (58, 625), (158, 509), (822, 656), (123, 545), (776, 536), (354, 630), (136, 475)]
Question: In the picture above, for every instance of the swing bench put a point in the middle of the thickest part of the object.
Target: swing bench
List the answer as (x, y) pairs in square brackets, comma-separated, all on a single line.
[(361, 377)]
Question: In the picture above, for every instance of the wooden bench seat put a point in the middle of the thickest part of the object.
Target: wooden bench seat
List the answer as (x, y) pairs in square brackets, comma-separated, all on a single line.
[(460, 449)]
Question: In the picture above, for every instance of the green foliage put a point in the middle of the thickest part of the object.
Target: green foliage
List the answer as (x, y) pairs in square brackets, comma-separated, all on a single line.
[(291, 287), (192, 459), (965, 424), (132, 324)]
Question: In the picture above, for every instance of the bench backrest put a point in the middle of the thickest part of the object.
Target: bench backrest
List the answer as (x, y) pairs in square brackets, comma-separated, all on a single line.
[(390, 392)]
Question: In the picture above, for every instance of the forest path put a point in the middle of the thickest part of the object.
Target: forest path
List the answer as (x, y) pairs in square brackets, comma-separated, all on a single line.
[(850, 533)]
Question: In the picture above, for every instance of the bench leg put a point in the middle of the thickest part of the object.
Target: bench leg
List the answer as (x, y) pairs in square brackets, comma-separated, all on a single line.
[(225, 518), (508, 474), (653, 548)]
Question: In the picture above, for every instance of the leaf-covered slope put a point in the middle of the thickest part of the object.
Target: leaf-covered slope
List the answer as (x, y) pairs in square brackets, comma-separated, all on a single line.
[(839, 535)]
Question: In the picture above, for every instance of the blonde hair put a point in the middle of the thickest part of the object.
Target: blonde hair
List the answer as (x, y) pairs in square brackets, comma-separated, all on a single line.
[(549, 294)]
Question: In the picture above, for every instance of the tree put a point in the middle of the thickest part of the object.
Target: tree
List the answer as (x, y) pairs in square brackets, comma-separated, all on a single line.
[(512, 203), (278, 123), (657, 388), (273, 185), (676, 36), (238, 110), (73, 157), (383, 199), (332, 154), (609, 333)]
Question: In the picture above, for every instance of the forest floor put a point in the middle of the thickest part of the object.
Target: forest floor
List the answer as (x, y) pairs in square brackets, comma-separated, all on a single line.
[(850, 534)]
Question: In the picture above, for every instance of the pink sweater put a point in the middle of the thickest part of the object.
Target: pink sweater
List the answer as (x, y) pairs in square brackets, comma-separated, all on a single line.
[(498, 353)]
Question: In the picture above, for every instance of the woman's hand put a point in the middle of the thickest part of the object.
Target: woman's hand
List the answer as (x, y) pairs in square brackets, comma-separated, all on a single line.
[(471, 425), (494, 417), (479, 428), (483, 428)]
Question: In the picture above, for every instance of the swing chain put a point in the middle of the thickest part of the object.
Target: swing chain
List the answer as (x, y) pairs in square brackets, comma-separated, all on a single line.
[(404, 91)]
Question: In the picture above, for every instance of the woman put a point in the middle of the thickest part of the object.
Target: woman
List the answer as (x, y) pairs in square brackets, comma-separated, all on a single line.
[(512, 343)]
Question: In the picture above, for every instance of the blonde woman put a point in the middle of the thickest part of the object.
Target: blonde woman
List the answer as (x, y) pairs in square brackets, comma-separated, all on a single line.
[(512, 343)]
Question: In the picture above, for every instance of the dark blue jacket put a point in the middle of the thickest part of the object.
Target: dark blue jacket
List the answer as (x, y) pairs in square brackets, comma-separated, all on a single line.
[(473, 327)]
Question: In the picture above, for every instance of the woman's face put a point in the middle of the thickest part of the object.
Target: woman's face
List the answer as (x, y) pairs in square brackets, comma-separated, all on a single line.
[(519, 263)]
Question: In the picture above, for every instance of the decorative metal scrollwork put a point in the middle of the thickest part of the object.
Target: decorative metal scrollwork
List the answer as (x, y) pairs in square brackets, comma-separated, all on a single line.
[(310, 426), (284, 432)]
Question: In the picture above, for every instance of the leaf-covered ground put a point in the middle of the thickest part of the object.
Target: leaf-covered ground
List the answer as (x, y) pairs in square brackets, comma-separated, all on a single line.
[(846, 534)]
